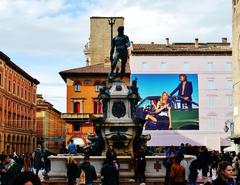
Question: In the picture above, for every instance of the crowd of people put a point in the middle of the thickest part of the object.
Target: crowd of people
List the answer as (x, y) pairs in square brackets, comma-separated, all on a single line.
[(179, 171), (214, 167), (15, 168)]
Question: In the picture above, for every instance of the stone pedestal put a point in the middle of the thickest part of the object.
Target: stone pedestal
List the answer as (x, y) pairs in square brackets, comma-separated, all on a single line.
[(154, 166), (118, 128)]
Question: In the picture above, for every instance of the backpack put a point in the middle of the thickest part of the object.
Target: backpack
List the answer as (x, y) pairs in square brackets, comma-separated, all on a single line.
[(82, 178)]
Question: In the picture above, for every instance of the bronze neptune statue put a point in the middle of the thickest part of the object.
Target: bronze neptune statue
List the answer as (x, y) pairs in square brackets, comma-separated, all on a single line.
[(119, 50)]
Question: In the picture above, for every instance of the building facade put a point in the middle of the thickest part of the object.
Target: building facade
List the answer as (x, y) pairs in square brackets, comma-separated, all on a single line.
[(236, 69), (99, 45), (51, 128), (212, 64), (17, 108), (83, 85)]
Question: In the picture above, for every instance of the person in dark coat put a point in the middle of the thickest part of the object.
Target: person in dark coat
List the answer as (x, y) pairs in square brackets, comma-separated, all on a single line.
[(141, 165), (110, 173), (37, 159), (72, 169), (224, 174), (25, 178), (90, 172), (10, 170), (193, 168)]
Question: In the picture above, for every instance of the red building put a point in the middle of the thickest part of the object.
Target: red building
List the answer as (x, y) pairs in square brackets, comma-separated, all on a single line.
[(17, 108)]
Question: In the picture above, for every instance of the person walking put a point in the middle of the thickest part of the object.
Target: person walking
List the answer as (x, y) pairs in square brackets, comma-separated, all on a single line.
[(177, 174), (72, 170), (110, 173), (89, 170), (37, 159)]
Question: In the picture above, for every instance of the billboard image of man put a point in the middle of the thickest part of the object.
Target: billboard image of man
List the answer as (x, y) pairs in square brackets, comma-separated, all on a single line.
[(185, 91)]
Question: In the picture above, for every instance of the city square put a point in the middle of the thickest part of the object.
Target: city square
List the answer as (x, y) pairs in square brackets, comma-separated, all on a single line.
[(113, 93)]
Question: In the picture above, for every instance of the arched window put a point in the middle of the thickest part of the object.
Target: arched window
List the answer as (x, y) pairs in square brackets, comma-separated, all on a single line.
[(77, 86)]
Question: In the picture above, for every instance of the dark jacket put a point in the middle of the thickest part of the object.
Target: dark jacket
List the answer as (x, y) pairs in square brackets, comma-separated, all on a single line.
[(110, 174), (219, 181), (90, 172), (194, 166), (187, 91), (12, 171), (37, 159), (72, 170)]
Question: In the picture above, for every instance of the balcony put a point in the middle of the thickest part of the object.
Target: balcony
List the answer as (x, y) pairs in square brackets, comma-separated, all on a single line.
[(78, 117)]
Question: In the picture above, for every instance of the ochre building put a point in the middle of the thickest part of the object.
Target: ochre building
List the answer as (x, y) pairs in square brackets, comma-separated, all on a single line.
[(83, 86), (83, 83), (17, 108), (51, 128)]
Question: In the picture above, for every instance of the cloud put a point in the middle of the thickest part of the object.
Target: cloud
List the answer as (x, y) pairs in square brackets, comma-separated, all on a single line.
[(47, 36)]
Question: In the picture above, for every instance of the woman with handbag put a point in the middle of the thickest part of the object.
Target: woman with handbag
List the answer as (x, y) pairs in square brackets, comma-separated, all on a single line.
[(72, 170)]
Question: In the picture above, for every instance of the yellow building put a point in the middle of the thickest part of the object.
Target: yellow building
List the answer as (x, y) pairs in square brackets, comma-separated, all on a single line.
[(51, 128)]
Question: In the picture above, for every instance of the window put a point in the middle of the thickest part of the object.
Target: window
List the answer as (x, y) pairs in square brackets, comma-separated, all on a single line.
[(229, 100), (211, 84), (76, 107), (144, 66), (77, 86), (14, 88), (9, 85), (25, 93), (210, 66), (212, 122), (97, 87), (18, 91), (21, 92), (186, 66), (229, 84), (163, 66), (76, 126), (211, 101), (228, 66)]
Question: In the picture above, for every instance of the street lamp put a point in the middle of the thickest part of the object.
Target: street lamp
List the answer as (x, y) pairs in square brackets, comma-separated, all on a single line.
[(111, 22)]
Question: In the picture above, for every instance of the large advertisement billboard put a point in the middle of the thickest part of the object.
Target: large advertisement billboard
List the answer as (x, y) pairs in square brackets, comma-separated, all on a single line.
[(169, 101)]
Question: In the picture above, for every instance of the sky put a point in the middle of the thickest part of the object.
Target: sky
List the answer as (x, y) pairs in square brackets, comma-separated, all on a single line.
[(44, 37)]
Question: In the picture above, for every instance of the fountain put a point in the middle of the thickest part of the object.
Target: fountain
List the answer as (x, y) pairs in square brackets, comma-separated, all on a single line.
[(118, 127)]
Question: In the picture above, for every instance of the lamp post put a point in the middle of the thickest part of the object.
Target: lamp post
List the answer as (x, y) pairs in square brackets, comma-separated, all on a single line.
[(111, 22)]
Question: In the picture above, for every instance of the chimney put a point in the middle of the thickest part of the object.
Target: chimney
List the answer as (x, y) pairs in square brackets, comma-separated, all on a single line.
[(196, 43), (224, 39), (167, 42)]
